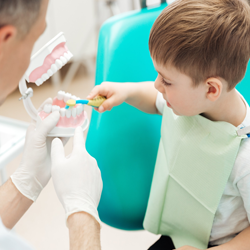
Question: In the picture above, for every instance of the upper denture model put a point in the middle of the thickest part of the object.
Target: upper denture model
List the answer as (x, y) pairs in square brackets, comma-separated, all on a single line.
[(46, 62)]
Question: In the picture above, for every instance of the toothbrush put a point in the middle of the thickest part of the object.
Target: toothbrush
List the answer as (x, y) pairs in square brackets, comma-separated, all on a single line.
[(96, 102)]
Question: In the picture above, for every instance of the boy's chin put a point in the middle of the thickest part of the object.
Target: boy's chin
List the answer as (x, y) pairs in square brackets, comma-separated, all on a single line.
[(176, 113)]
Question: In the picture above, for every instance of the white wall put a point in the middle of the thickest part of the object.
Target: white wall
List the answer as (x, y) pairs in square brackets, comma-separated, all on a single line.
[(75, 18), (78, 20)]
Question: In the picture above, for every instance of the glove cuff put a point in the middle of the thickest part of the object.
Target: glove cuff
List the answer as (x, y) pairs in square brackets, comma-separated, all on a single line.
[(82, 206), (27, 184)]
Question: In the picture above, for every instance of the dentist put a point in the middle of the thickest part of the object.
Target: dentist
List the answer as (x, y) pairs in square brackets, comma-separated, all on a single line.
[(77, 179)]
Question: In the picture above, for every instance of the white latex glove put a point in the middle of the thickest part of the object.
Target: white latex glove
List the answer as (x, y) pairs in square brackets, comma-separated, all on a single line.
[(77, 178), (34, 171)]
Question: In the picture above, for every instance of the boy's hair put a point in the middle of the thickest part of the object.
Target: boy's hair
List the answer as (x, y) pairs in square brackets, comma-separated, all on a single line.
[(204, 38)]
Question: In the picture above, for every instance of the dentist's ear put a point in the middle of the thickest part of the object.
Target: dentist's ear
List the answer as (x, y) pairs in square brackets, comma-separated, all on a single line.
[(7, 33), (214, 88)]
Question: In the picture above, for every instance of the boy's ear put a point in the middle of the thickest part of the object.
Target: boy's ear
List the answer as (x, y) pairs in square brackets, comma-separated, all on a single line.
[(214, 88)]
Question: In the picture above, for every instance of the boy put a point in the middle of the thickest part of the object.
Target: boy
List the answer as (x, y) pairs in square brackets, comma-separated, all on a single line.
[(200, 194)]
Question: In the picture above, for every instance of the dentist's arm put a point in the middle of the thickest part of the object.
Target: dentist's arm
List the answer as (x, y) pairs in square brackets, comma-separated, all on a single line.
[(13, 204), (84, 232), (78, 184), (26, 183)]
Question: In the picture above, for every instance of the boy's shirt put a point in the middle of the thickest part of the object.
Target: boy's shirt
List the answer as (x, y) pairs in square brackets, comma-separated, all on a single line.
[(233, 213)]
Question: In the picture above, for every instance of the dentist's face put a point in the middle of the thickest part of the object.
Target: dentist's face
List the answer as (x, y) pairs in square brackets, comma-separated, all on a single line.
[(15, 52)]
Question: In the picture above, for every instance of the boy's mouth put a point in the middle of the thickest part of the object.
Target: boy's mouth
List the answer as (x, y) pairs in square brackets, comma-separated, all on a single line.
[(168, 104)]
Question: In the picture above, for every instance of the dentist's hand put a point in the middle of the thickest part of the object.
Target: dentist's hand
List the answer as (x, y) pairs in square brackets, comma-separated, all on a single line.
[(34, 171), (77, 178)]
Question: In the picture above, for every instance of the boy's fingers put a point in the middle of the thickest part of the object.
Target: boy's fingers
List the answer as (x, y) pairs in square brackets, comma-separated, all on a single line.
[(93, 92), (98, 90), (107, 105)]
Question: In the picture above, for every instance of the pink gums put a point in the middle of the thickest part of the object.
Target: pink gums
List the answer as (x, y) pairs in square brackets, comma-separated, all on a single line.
[(50, 59), (65, 122)]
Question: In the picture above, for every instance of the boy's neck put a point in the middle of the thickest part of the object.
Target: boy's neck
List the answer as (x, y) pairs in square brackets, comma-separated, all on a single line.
[(230, 108)]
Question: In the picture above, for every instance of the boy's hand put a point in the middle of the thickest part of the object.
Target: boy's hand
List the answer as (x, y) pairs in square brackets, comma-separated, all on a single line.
[(116, 94)]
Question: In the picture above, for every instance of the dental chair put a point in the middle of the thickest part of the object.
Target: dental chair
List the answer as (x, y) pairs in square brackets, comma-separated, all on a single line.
[(125, 140)]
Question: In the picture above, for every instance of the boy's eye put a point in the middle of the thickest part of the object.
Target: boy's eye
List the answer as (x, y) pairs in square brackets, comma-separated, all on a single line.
[(165, 83)]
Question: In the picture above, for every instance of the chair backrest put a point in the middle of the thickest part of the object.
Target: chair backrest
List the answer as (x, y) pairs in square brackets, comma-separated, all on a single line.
[(244, 86), (125, 140)]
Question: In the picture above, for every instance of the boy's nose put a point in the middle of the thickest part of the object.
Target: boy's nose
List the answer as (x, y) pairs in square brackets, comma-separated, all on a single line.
[(158, 85)]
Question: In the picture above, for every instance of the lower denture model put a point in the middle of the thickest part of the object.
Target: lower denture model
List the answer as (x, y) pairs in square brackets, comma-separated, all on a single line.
[(46, 62)]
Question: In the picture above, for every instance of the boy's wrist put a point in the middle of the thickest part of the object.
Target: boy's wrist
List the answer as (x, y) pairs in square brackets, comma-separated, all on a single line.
[(132, 91)]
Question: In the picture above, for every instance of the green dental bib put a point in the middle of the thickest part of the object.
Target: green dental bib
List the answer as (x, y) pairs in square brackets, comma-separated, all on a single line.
[(194, 161)]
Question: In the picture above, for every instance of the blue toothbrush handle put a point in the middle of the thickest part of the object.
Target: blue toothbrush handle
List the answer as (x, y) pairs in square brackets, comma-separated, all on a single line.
[(82, 101), (79, 102)]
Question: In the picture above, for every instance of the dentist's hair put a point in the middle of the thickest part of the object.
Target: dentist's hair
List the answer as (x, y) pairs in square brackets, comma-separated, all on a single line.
[(204, 38), (20, 13)]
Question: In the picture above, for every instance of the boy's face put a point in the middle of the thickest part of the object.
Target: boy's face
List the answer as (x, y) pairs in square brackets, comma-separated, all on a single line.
[(179, 92)]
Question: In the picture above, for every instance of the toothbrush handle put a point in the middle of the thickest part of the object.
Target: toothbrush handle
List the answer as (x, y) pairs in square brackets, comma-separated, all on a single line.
[(97, 101), (82, 101)]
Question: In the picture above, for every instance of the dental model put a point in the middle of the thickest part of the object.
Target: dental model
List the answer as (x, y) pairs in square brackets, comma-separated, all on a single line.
[(46, 62)]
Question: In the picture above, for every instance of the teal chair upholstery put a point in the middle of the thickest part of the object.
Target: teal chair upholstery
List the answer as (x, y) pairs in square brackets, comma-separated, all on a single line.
[(244, 86), (125, 140)]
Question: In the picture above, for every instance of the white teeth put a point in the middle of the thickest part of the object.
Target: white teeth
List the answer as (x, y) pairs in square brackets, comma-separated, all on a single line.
[(78, 98), (78, 110), (62, 112), (73, 97), (39, 82), (50, 72), (67, 96), (68, 113), (60, 95), (70, 54), (53, 68), (58, 63), (55, 108), (64, 60), (74, 112), (45, 77), (67, 56), (47, 108), (82, 108)]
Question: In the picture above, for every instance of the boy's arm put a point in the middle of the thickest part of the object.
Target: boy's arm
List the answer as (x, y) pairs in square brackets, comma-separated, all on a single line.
[(141, 95), (239, 242)]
